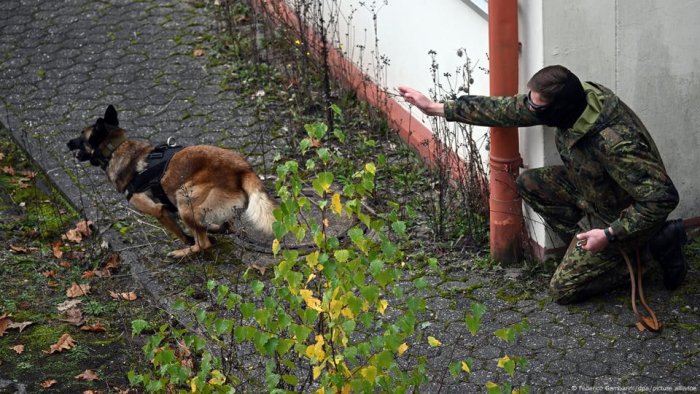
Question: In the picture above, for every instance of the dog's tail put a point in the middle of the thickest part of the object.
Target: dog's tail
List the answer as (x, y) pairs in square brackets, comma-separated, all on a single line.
[(260, 205)]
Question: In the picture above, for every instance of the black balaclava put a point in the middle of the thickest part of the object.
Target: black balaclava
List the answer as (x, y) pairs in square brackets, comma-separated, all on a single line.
[(566, 106)]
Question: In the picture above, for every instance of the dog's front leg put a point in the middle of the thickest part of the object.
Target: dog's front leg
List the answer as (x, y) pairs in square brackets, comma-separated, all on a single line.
[(144, 204)]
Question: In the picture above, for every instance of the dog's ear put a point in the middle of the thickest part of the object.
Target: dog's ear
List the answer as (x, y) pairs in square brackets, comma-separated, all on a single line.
[(111, 116), (99, 133)]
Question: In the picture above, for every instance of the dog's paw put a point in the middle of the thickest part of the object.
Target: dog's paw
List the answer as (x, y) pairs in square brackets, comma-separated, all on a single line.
[(180, 253)]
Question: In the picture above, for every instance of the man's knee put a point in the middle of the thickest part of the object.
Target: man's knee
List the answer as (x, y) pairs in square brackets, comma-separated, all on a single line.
[(560, 293), (526, 183)]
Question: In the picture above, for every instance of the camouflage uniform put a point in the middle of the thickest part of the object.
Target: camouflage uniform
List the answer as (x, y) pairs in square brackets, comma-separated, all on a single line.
[(612, 173)]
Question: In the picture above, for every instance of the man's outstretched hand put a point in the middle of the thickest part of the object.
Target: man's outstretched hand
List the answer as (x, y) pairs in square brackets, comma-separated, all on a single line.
[(421, 101)]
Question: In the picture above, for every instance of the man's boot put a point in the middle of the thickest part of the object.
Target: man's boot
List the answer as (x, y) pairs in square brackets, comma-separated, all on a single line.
[(667, 249)]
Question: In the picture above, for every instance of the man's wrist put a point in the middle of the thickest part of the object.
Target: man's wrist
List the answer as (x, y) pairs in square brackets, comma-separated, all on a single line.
[(609, 234)]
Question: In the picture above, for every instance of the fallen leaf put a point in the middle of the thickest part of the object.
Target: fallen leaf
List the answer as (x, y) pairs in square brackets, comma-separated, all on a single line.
[(97, 327), (8, 170), (28, 173), (199, 52), (18, 348), (24, 183), (66, 342), (87, 375), (72, 235), (52, 283), (2, 156), (65, 264), (130, 296), (20, 326), (4, 324), (68, 304), (94, 392), (84, 227), (49, 274), (103, 273), (77, 290), (88, 274), (402, 348), (56, 249), (259, 267), (433, 342), (19, 249), (183, 351), (74, 316), (114, 261), (82, 230), (48, 383)]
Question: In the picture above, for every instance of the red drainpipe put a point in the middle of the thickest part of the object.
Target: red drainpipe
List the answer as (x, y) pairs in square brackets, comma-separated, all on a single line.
[(504, 202)]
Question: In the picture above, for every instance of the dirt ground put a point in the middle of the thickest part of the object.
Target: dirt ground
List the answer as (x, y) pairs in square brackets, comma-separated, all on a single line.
[(42, 257)]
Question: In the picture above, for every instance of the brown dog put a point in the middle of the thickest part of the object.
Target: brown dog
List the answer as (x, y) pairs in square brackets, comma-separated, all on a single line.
[(204, 185)]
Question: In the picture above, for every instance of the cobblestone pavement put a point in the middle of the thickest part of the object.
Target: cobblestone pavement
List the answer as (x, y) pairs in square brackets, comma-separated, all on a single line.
[(62, 62)]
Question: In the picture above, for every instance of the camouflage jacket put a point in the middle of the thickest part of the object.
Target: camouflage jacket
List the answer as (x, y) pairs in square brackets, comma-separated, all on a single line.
[(608, 153)]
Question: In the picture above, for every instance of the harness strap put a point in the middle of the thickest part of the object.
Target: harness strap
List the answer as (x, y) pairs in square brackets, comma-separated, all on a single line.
[(157, 162), (649, 322)]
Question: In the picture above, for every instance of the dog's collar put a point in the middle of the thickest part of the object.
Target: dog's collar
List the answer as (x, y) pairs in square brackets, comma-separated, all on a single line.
[(105, 154)]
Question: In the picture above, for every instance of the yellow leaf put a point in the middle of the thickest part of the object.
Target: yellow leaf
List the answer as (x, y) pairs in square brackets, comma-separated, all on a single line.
[(382, 306), (491, 385), (321, 390), (316, 350), (503, 360), (365, 306), (217, 378), (317, 371), (369, 167), (193, 385), (335, 204), (347, 312), (275, 246), (311, 301), (310, 278), (432, 341), (335, 308), (465, 367), (402, 348)]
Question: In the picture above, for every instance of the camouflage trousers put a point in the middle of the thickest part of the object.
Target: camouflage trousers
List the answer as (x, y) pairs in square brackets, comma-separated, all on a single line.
[(580, 274)]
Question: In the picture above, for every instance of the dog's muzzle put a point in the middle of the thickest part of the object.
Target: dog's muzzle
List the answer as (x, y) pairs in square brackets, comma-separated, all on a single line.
[(78, 144)]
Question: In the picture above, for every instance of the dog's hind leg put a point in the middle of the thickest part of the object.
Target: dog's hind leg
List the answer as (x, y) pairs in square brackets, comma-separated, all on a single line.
[(193, 220), (144, 204)]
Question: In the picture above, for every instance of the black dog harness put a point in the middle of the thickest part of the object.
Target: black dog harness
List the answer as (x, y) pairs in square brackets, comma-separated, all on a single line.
[(157, 161)]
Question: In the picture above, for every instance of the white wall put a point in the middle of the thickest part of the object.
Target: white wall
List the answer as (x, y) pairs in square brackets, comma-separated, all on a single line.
[(648, 52), (407, 31)]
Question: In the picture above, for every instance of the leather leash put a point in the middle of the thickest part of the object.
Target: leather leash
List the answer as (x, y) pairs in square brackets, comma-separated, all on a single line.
[(649, 322)]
